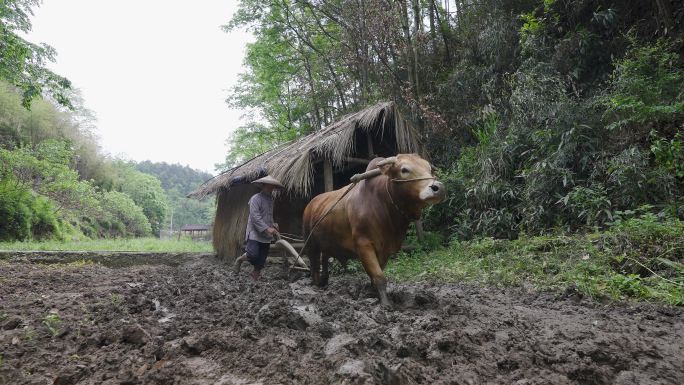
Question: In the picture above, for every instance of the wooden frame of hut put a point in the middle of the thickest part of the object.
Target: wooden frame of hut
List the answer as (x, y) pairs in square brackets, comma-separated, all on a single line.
[(321, 161)]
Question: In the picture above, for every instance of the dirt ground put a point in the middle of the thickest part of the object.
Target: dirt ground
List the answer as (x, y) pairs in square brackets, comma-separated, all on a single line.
[(194, 322)]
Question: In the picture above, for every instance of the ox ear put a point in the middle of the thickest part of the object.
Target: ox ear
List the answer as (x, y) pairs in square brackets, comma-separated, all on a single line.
[(386, 164)]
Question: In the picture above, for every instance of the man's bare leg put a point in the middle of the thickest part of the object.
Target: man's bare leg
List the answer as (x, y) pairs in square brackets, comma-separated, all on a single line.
[(256, 273), (238, 263)]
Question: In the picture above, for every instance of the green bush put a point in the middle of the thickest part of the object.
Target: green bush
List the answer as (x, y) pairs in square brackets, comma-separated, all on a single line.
[(637, 258), (15, 211), (123, 217), (44, 222), (646, 87), (553, 160), (25, 216)]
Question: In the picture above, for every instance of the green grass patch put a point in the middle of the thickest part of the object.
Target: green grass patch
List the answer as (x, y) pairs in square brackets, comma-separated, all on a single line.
[(121, 244), (636, 259)]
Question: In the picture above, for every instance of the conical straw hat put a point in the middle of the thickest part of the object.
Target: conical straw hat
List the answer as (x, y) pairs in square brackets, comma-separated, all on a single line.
[(269, 180)]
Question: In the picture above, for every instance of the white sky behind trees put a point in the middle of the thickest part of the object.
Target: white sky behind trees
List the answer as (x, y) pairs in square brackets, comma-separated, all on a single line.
[(156, 73)]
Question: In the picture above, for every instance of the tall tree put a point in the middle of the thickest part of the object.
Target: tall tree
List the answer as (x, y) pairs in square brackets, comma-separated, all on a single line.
[(22, 63)]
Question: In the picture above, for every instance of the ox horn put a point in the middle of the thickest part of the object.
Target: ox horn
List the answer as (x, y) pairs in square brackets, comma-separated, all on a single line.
[(390, 160), (366, 175), (374, 172)]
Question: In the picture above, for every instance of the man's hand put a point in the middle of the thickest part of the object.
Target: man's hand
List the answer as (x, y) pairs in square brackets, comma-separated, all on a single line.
[(271, 231)]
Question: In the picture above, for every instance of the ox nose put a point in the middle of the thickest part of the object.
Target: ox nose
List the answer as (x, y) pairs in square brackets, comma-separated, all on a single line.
[(438, 189)]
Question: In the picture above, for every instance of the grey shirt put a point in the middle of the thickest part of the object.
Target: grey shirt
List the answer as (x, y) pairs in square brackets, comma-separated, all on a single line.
[(260, 217)]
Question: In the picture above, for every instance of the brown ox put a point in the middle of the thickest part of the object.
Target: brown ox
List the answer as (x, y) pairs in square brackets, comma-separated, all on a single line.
[(371, 221)]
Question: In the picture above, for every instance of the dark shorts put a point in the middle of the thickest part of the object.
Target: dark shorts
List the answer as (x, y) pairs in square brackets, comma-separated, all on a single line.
[(257, 253)]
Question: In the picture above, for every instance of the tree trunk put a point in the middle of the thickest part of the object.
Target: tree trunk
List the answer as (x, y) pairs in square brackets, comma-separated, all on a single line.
[(433, 32), (317, 114), (665, 14), (444, 29), (363, 47), (417, 28), (407, 35), (327, 175)]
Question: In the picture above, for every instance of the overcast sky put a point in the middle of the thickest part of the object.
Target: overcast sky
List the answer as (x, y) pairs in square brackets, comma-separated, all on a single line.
[(155, 72)]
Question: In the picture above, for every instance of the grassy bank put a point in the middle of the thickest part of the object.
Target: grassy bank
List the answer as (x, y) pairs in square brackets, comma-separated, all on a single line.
[(639, 259), (122, 244)]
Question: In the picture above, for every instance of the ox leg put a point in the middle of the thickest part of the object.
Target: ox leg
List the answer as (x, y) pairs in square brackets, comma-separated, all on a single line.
[(314, 255), (369, 260), (325, 261)]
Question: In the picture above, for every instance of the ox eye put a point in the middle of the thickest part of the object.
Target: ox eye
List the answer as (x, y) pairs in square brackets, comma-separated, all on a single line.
[(404, 170)]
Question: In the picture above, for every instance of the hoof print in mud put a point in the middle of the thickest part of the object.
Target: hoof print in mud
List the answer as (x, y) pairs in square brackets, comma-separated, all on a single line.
[(404, 298)]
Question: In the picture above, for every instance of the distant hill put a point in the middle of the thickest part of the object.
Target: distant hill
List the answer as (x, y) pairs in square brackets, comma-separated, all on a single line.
[(178, 181), (174, 176)]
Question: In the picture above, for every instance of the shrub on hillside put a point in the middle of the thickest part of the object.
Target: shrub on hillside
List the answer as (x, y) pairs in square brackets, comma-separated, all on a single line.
[(122, 216), (559, 161), (24, 215)]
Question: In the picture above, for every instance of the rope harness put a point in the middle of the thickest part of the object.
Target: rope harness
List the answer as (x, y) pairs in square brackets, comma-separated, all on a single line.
[(403, 181), (351, 186)]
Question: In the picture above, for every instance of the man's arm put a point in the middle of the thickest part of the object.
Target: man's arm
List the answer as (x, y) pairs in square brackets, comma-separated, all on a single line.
[(257, 216)]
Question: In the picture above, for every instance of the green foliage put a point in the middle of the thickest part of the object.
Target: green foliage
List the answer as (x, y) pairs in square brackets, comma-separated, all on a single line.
[(646, 87), (178, 181), (669, 154), (124, 217), (60, 182), (53, 323), (25, 216), (546, 116), (641, 258), (174, 176), (145, 190), (24, 64), (589, 204), (551, 166), (292, 81), (15, 209), (247, 142), (117, 244), (531, 25), (45, 171), (29, 334)]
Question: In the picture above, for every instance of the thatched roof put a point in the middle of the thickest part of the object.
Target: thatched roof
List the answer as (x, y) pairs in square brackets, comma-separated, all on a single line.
[(292, 163)]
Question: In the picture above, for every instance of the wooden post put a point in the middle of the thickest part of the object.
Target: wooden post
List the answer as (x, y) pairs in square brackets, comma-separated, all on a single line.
[(369, 141), (420, 234), (327, 175)]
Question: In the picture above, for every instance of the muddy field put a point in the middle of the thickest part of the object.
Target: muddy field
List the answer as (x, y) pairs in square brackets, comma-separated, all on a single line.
[(193, 322)]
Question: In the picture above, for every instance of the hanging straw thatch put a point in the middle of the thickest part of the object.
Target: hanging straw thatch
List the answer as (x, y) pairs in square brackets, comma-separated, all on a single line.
[(292, 163)]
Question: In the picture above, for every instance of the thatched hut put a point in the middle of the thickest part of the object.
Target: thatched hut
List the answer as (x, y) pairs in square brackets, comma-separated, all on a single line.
[(319, 162)]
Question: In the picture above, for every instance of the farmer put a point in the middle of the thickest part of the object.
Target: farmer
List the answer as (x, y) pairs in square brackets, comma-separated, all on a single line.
[(260, 226)]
